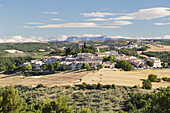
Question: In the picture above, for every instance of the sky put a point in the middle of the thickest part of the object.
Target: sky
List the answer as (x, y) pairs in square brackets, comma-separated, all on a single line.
[(58, 19)]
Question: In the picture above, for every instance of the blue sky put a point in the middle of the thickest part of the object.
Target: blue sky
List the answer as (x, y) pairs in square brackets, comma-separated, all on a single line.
[(61, 18)]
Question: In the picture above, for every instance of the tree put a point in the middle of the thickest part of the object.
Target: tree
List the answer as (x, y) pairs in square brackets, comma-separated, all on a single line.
[(23, 68), (85, 65), (11, 67), (78, 48), (68, 50), (56, 65), (126, 66), (163, 64), (100, 66), (10, 100), (85, 46), (63, 68), (104, 58), (51, 67), (150, 63), (147, 84), (28, 67), (112, 58), (169, 64), (44, 66), (56, 106), (152, 78)]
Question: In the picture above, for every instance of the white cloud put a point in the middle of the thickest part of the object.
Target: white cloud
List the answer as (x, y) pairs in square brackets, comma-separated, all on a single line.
[(90, 35), (0, 5), (99, 19), (71, 25), (97, 14), (62, 37), (166, 37), (118, 23), (67, 25), (162, 24), (120, 37), (53, 13), (33, 23), (18, 39), (123, 18), (147, 14), (57, 19)]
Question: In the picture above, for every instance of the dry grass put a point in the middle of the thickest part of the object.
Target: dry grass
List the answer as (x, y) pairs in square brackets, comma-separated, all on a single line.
[(13, 51), (63, 78), (104, 76), (127, 78), (158, 48)]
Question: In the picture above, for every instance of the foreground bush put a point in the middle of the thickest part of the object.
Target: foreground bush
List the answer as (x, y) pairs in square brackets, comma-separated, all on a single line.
[(10, 101), (147, 84), (150, 103)]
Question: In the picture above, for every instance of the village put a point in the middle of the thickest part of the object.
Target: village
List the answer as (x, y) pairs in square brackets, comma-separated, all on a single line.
[(72, 62)]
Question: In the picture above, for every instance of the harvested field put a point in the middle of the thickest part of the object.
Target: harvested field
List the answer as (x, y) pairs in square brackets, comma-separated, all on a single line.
[(13, 51), (17, 55), (158, 48), (63, 78), (104, 76), (127, 78)]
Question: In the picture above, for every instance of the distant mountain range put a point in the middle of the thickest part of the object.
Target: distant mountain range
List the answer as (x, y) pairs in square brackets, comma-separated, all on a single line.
[(98, 38)]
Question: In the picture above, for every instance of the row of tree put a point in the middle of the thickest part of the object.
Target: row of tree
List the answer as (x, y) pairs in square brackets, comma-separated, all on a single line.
[(75, 49)]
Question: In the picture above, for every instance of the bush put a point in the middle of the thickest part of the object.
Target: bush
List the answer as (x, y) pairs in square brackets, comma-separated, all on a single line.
[(40, 86), (166, 79), (147, 84), (152, 78)]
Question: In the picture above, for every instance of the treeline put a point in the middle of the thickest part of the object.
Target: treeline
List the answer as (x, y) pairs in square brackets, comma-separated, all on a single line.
[(75, 49), (25, 47), (33, 46), (164, 56), (150, 103), (7, 62), (163, 42), (128, 52)]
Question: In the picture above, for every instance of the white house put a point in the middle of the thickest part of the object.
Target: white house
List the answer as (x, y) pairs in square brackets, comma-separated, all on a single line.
[(156, 62), (108, 64)]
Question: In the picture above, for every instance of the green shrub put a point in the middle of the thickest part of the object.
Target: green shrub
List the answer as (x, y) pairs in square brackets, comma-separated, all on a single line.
[(40, 86), (166, 79), (147, 84), (152, 78)]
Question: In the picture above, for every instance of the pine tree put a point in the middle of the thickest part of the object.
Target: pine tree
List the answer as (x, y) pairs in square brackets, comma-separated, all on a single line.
[(10, 101)]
